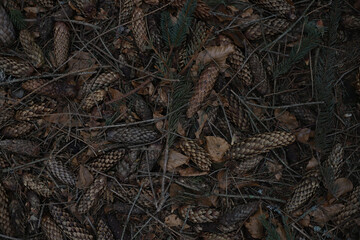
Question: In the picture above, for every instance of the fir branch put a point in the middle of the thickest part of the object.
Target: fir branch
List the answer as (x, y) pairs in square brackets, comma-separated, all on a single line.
[(17, 19)]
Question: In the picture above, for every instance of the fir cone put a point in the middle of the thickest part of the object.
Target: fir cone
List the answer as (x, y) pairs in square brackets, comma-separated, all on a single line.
[(4, 212), (54, 89), (244, 165), (30, 47), (86, 7), (128, 165), (202, 10), (154, 31), (17, 217), (258, 144), (92, 193), (219, 236), (126, 11), (46, 3), (101, 82), (242, 68), (50, 229), (197, 154), (138, 104), (7, 33), (18, 129), (93, 99), (235, 112), (61, 43), (132, 135), (304, 191), (35, 111), (357, 82), (282, 7), (335, 161), (139, 28), (6, 115), (303, 114), (202, 89), (103, 231), (199, 214), (239, 213), (24, 147), (61, 172), (69, 225), (34, 183), (351, 208), (268, 27), (105, 162), (130, 194), (351, 21), (150, 157), (15, 67), (259, 74)]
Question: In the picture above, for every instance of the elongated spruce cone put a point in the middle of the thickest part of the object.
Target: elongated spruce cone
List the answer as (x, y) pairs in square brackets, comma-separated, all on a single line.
[(61, 43), (351, 21), (132, 135), (351, 209), (104, 162), (31, 49), (150, 157), (5, 115), (35, 111), (69, 225), (239, 66), (46, 3), (282, 7), (139, 28), (219, 236), (202, 89), (239, 213), (101, 82), (86, 7), (34, 183), (54, 89), (197, 154), (336, 161), (126, 11), (17, 217), (202, 10), (199, 214), (260, 81), (267, 27), (92, 193), (103, 231), (138, 104), (130, 194), (61, 172), (23, 147), (15, 67), (258, 144), (236, 112), (7, 33), (128, 165), (51, 230), (302, 113), (244, 165), (304, 191), (18, 129), (4, 212), (93, 99)]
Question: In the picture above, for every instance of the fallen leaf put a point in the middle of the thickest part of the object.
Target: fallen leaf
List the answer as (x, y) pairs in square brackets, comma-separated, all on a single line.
[(247, 13), (286, 119), (216, 146), (312, 163), (174, 221), (341, 186), (254, 226), (275, 167), (85, 178), (159, 124), (223, 180), (146, 90), (175, 190), (323, 214), (180, 129), (82, 61), (175, 160), (303, 135), (114, 94), (191, 172), (210, 201)]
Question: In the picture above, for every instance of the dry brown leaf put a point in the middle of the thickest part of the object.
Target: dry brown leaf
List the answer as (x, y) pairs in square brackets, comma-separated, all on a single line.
[(174, 221), (159, 124), (114, 94), (149, 89), (82, 61), (275, 167), (247, 13), (223, 180), (323, 214), (175, 160), (341, 186), (312, 163), (34, 10), (286, 119), (85, 178), (254, 226), (180, 129), (191, 172), (210, 201), (303, 135), (175, 190), (216, 146)]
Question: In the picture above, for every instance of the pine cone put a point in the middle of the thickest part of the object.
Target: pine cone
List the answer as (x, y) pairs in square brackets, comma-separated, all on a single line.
[(130, 194), (30, 47), (303, 114), (245, 165), (345, 217), (35, 111), (92, 193), (51, 230), (150, 157), (239, 213), (61, 43), (258, 72), (219, 236), (101, 82), (258, 144), (235, 112), (15, 67), (138, 25), (46, 3), (7, 33), (154, 31), (202, 10), (4, 213), (202, 89), (268, 27), (24, 147), (132, 135), (282, 7), (34, 183), (6, 115), (138, 104), (197, 154), (108, 160), (126, 11), (304, 191), (61, 172), (199, 214), (69, 225), (351, 22), (128, 165), (242, 68), (335, 160), (357, 83), (53, 89), (17, 217), (103, 231), (85, 7), (18, 129), (93, 99)]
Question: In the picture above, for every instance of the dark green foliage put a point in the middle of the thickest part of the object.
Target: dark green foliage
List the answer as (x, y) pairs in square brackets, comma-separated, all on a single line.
[(175, 34), (17, 19), (272, 234)]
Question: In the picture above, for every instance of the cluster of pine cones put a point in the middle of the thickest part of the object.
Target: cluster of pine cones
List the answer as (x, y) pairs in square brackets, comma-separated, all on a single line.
[(82, 150)]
